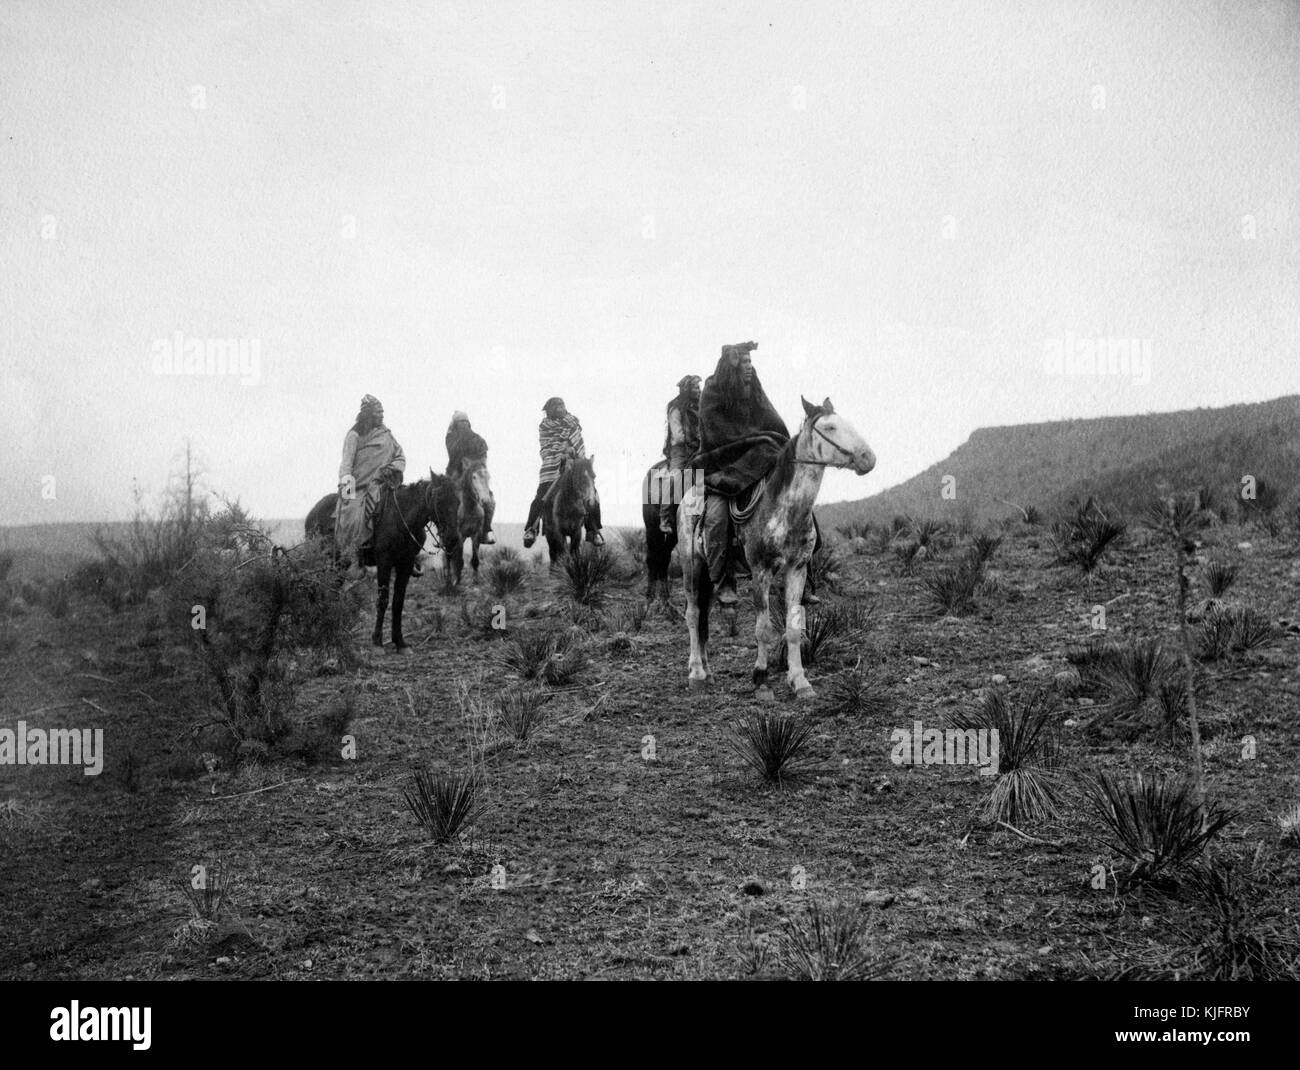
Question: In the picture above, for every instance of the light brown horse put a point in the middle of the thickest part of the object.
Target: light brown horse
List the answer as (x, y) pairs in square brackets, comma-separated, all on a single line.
[(778, 539), (465, 515)]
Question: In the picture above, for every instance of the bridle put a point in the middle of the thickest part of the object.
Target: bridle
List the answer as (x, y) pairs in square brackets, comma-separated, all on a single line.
[(392, 493), (812, 426)]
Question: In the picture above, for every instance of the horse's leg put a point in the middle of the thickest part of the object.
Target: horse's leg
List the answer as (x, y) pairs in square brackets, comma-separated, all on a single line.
[(763, 631), (694, 573), (385, 570), (399, 600), (794, 620), (473, 554)]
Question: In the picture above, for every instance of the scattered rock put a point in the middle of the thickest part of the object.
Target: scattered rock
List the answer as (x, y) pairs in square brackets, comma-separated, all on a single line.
[(223, 960), (920, 660), (453, 867), (1086, 702), (877, 898), (1037, 663), (532, 937), (1068, 680), (1070, 722), (1244, 545), (997, 679)]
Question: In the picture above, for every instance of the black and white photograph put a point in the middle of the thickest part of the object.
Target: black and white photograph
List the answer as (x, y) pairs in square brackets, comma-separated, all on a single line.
[(653, 491)]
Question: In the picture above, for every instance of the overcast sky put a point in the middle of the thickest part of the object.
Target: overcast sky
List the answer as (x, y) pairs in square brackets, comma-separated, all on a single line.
[(909, 206)]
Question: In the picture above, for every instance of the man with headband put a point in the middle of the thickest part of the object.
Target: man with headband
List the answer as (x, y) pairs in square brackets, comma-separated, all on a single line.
[(372, 460)]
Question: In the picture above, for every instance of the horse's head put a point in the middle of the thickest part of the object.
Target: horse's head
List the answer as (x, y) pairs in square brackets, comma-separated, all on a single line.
[(829, 439), (474, 480), (582, 471)]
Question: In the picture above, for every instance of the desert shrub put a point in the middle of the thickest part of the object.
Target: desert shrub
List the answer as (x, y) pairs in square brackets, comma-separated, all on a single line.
[(522, 710), (772, 744), (932, 536), (567, 661), (984, 545), (1288, 826), (507, 571), (1219, 576), (1232, 629), (1134, 673), (527, 652), (1155, 823), (583, 578), (907, 554), (256, 614), (857, 692), (6, 564), (1027, 787), (1084, 537), (1033, 515), (444, 804), (1245, 938), (951, 590), (627, 617), (855, 529), (829, 943), (825, 566)]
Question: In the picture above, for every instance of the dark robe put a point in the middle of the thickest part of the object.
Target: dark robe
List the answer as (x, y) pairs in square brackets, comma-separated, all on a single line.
[(738, 446), (464, 445)]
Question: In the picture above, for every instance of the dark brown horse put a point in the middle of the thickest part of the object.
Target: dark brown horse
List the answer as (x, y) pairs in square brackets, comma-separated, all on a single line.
[(465, 511), (398, 540), (568, 503), (657, 488)]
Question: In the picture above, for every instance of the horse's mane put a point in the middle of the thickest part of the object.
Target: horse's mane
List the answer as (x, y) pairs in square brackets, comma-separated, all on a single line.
[(783, 471)]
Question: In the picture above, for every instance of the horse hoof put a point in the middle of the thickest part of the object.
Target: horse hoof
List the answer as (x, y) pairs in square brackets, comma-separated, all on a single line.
[(764, 694), (377, 642), (805, 693)]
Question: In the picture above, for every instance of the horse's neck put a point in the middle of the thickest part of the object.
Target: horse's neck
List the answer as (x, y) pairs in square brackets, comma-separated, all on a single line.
[(799, 496)]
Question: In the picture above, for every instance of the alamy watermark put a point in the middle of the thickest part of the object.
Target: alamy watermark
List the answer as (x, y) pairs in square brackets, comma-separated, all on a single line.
[(946, 746), (57, 746), (1119, 357), (179, 355)]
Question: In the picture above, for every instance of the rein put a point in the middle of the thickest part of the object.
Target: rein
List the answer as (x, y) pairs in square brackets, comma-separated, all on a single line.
[(392, 493), (740, 516)]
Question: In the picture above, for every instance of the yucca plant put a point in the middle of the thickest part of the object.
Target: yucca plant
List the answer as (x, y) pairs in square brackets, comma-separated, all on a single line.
[(772, 744), (521, 710), (444, 804), (907, 554), (627, 617), (584, 576), (931, 534), (830, 943), (1249, 629), (528, 652), (824, 631), (1219, 576), (1245, 940), (1288, 824), (1155, 823), (984, 546), (951, 590), (858, 693), (1135, 673), (507, 571), (567, 660), (1027, 787), (824, 568), (209, 900), (633, 540), (1083, 539)]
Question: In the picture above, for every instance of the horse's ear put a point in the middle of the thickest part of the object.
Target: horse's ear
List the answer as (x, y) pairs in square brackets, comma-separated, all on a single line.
[(827, 407), (592, 461), (430, 475), (808, 410)]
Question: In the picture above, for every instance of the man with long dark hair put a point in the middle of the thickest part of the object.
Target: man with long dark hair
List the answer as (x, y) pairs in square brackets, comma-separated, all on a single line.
[(372, 461), (741, 437), (681, 443)]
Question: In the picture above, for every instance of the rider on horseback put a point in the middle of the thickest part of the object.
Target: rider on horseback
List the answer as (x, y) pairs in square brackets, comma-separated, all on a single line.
[(741, 437), (560, 436), (681, 443), (372, 462), (464, 444)]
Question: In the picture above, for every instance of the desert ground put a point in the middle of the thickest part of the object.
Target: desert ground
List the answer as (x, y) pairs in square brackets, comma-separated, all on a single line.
[(625, 836)]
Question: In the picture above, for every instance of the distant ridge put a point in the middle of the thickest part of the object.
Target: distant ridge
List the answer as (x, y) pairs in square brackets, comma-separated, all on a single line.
[(1123, 459)]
